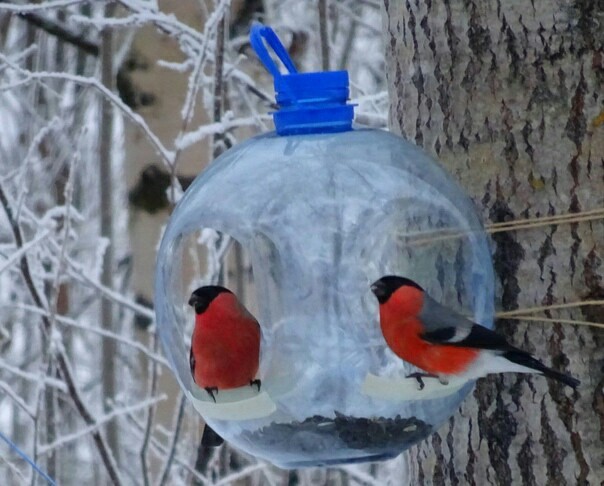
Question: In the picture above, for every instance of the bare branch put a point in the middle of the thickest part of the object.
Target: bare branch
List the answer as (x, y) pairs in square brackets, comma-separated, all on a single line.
[(23, 8), (165, 154), (65, 321), (218, 84), (174, 441), (61, 33), (17, 399), (34, 377), (150, 402), (324, 33), (150, 417)]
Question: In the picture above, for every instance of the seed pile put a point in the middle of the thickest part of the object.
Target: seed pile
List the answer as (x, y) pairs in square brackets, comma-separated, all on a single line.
[(318, 433)]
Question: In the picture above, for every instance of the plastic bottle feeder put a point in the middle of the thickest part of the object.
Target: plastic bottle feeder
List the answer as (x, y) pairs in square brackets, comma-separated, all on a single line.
[(323, 208)]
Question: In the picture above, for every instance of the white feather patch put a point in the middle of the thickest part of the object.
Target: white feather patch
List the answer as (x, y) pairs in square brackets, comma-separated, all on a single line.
[(489, 362)]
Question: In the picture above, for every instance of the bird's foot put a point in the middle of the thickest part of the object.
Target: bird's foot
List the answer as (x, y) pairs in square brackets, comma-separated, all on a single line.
[(211, 391), (419, 377), (256, 383)]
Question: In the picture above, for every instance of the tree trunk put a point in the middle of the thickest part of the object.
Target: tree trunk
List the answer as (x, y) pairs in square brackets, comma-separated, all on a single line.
[(508, 95), (109, 349)]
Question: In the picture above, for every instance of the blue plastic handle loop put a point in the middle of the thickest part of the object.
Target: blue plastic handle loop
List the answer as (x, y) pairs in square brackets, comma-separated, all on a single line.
[(308, 102), (257, 33)]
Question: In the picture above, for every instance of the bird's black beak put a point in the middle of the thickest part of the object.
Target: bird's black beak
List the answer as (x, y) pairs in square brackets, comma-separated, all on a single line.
[(380, 291), (197, 303)]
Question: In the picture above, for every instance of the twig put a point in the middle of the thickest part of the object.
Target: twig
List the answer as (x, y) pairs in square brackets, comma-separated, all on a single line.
[(218, 84), (62, 361), (15, 470), (61, 441), (61, 33), (75, 270), (324, 33), (232, 478), (50, 419), (167, 24), (349, 42), (164, 153), (23, 250), (345, 9), (174, 441), (159, 447), (19, 242), (34, 377), (16, 398), (65, 321), (219, 128), (150, 417), (42, 6), (194, 84)]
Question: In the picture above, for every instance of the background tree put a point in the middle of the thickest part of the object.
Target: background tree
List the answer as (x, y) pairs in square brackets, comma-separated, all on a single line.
[(509, 96)]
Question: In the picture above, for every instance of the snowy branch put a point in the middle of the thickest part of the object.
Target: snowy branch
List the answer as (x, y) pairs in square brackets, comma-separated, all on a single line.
[(135, 118), (62, 361), (99, 422)]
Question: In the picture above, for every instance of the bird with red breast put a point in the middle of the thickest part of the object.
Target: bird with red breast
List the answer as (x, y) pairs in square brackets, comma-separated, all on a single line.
[(442, 342), (225, 346)]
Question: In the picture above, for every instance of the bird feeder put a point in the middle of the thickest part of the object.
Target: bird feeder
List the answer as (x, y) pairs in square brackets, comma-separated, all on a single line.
[(324, 208)]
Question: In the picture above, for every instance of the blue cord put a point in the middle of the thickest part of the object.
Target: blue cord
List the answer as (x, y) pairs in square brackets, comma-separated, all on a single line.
[(13, 446)]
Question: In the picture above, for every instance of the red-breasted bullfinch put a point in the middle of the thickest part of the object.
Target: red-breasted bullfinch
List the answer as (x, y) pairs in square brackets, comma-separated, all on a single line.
[(225, 347), (442, 342)]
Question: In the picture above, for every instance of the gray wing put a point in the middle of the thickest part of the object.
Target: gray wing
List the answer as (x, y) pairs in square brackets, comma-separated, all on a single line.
[(445, 326), (443, 321)]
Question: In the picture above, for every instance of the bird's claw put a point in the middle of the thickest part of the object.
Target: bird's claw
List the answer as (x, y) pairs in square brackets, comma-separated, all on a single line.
[(420, 382), (418, 377), (256, 383), (211, 391)]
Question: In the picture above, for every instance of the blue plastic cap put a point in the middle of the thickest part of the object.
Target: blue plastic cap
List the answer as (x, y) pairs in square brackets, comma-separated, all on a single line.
[(308, 102)]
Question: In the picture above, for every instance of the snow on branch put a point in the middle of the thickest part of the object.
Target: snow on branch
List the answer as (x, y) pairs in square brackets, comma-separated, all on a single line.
[(99, 422), (35, 7), (138, 120)]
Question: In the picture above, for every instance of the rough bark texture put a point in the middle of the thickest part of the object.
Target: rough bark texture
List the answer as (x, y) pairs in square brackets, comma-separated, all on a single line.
[(507, 95)]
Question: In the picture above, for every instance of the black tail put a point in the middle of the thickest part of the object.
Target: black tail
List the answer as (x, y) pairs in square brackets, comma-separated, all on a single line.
[(210, 438), (525, 359)]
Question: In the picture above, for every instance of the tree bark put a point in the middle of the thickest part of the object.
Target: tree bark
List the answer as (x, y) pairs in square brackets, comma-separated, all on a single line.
[(508, 95)]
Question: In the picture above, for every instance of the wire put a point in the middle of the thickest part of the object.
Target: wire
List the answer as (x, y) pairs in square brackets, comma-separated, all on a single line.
[(13, 446)]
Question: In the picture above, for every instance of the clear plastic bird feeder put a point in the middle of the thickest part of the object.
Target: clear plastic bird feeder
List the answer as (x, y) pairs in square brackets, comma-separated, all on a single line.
[(323, 209)]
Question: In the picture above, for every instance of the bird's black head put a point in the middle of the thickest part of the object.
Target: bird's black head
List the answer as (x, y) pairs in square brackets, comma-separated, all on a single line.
[(203, 297), (386, 286)]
